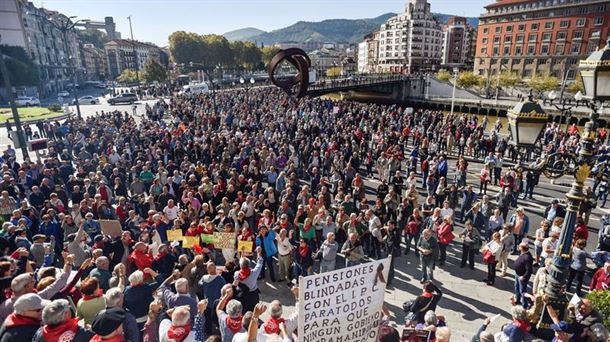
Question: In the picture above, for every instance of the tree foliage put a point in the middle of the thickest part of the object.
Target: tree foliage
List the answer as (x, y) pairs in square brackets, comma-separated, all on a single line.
[(128, 76), (21, 69), (542, 83), (247, 55), (268, 52), (153, 71), (443, 75), (468, 79), (600, 299), (576, 86), (509, 79)]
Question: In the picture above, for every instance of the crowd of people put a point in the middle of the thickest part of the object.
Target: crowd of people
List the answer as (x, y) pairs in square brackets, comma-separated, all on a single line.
[(306, 186)]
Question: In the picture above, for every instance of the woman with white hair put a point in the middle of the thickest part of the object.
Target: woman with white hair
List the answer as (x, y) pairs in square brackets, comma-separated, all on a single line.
[(139, 295), (59, 325), (115, 299)]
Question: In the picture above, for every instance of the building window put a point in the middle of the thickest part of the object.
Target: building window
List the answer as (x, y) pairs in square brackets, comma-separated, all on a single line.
[(520, 38), (561, 35), (599, 21), (575, 48), (532, 37), (518, 51), (496, 40), (559, 49), (485, 30), (581, 22), (495, 51), (529, 61), (577, 35), (595, 34), (531, 49), (483, 51), (546, 36), (484, 41), (548, 25), (564, 24), (498, 29), (544, 49), (535, 26), (521, 28), (527, 73), (509, 28), (508, 39)]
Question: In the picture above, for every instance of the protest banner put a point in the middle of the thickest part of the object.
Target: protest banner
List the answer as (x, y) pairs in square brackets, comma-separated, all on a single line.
[(224, 240), (208, 239), (244, 246), (189, 241), (343, 305), (174, 235), (111, 227)]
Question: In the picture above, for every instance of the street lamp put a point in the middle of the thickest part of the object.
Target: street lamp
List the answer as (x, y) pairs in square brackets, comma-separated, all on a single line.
[(455, 77), (563, 105), (526, 122), (595, 72)]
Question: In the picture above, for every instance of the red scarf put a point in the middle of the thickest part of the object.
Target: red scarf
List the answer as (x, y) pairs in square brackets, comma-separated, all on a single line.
[(427, 294), (243, 273), (15, 320), (62, 332), (234, 324), (272, 326), (117, 338), (303, 251), (306, 227), (178, 333), (523, 325), (97, 294)]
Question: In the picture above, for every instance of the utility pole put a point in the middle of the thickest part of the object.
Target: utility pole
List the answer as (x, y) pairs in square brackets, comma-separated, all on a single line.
[(135, 55), (11, 98)]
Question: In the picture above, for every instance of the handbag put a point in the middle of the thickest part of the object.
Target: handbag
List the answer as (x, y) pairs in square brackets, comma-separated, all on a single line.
[(488, 257)]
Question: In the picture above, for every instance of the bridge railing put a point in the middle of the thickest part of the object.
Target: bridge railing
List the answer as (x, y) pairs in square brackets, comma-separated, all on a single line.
[(326, 84)]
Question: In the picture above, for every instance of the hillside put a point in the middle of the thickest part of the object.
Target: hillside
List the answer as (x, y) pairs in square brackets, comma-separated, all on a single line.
[(327, 31), (243, 34)]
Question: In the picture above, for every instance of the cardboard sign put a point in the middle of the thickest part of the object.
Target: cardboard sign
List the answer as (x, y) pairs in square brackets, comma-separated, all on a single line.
[(111, 227), (174, 235), (189, 241), (224, 240), (208, 239), (346, 301), (244, 246)]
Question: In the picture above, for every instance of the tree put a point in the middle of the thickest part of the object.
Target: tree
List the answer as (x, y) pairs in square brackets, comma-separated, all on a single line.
[(247, 55), (333, 72), (186, 47), (268, 52), (153, 71), (217, 52), (468, 79), (542, 83), (576, 86), (128, 76), (443, 75), (22, 71), (509, 79)]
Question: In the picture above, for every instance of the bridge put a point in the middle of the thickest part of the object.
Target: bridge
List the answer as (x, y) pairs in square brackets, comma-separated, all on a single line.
[(420, 92)]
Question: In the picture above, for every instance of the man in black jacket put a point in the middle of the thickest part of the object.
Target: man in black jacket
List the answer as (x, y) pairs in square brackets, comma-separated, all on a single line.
[(523, 271), (22, 324), (393, 243)]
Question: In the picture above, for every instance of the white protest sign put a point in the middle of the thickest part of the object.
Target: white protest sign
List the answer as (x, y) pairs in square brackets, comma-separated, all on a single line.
[(343, 305)]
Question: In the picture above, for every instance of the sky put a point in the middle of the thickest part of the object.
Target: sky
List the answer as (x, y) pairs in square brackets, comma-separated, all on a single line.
[(154, 20)]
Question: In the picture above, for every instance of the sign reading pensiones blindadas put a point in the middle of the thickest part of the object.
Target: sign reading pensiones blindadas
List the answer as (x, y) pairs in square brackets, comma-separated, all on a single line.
[(343, 305)]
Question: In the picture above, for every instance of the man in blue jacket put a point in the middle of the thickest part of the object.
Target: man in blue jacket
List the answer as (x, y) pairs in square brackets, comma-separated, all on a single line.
[(266, 240)]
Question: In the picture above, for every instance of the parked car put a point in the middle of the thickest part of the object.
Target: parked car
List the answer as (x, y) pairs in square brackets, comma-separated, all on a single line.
[(27, 101), (63, 94), (85, 100), (128, 98)]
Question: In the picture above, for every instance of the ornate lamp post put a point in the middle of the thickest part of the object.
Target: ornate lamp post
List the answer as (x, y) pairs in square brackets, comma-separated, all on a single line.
[(595, 71)]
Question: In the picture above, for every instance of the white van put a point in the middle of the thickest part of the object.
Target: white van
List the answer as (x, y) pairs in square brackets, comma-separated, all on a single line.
[(195, 88)]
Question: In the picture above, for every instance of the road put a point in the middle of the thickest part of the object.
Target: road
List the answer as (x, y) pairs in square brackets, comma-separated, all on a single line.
[(466, 299)]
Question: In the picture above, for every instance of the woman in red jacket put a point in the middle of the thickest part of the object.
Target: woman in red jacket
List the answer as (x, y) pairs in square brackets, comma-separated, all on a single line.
[(445, 236)]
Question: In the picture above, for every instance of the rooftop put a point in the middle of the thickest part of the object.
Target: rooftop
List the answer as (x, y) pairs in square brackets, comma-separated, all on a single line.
[(500, 3)]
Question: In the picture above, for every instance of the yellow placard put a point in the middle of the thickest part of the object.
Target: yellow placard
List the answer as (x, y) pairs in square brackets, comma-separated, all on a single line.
[(174, 235), (244, 246), (224, 240), (189, 241)]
